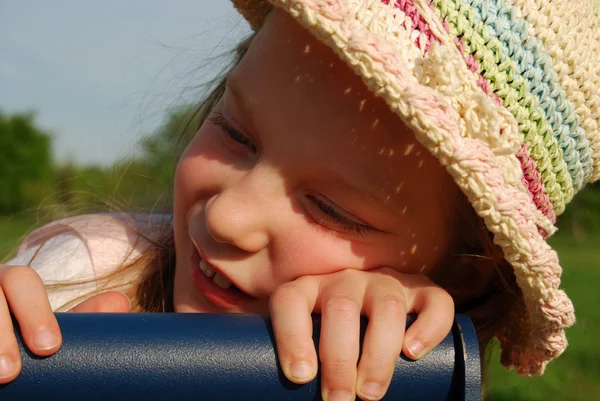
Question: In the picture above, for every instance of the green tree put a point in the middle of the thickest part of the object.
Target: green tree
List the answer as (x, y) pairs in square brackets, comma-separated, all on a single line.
[(25, 162)]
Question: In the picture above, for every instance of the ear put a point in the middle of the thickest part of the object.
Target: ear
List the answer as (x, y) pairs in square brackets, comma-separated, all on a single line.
[(467, 277)]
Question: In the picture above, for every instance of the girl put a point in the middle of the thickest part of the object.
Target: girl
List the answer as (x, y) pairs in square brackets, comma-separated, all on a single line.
[(358, 152)]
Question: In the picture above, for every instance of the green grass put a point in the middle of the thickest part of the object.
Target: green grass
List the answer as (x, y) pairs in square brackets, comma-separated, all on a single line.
[(574, 376)]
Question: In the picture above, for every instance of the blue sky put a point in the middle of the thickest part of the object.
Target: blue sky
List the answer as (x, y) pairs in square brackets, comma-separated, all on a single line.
[(99, 75)]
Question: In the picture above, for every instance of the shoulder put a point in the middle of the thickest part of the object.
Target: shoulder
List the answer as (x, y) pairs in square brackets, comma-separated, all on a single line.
[(90, 246), (109, 238)]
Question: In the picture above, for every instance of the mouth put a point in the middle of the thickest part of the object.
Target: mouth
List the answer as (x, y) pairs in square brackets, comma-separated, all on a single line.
[(214, 285)]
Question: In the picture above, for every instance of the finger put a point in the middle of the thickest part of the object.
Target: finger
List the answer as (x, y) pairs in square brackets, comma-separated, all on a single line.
[(10, 359), (28, 301), (339, 345), (291, 306), (107, 302), (435, 309), (382, 343)]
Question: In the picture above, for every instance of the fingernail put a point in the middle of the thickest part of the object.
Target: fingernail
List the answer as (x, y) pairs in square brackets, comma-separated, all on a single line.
[(7, 367), (338, 395), (301, 370), (45, 339), (371, 391), (416, 348)]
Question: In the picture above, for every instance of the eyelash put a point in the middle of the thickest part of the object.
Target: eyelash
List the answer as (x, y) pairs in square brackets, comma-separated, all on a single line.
[(233, 133), (341, 222)]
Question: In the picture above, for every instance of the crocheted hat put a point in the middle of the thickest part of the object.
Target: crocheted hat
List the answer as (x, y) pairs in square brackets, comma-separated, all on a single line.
[(506, 94)]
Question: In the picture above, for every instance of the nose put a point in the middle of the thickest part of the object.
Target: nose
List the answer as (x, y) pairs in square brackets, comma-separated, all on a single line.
[(245, 211)]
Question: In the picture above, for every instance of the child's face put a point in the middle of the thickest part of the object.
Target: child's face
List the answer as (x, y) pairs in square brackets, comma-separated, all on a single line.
[(302, 171)]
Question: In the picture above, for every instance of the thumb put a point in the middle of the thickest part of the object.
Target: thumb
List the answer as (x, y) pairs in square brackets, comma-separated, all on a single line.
[(110, 302)]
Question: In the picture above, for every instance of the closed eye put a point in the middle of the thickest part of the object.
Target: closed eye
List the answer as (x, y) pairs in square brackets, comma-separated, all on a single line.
[(329, 217), (220, 121)]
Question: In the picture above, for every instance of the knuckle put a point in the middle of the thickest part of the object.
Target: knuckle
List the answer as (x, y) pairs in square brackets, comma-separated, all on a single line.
[(349, 273), (376, 365), (443, 296), (342, 306), (342, 369), (394, 305), (285, 295)]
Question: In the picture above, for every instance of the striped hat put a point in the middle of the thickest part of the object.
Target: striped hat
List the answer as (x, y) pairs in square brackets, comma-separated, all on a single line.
[(506, 94)]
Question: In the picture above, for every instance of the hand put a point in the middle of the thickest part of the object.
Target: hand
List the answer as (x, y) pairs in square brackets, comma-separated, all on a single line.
[(385, 297), (22, 292)]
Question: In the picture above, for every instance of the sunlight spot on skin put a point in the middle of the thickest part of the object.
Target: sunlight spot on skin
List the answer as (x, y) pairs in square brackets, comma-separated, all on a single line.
[(307, 49), (418, 153), (391, 152), (399, 187), (413, 250), (420, 163), (297, 78), (422, 268), (381, 151), (375, 123), (402, 253), (348, 91), (331, 65), (409, 149), (403, 263), (414, 235), (362, 104), (387, 198), (404, 210)]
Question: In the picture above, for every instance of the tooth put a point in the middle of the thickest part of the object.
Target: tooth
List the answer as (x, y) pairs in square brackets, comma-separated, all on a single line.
[(221, 281), (206, 269)]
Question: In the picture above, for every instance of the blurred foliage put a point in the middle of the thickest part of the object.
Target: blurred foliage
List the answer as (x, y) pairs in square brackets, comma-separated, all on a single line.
[(26, 172), (582, 215), (31, 183)]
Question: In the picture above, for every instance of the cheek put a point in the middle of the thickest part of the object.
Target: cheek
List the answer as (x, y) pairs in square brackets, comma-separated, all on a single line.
[(202, 168), (305, 251)]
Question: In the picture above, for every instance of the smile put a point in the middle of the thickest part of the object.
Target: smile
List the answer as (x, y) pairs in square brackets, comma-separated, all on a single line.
[(217, 278), (214, 285)]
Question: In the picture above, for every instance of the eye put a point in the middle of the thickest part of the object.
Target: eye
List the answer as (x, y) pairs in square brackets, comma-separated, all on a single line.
[(220, 121), (328, 216)]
